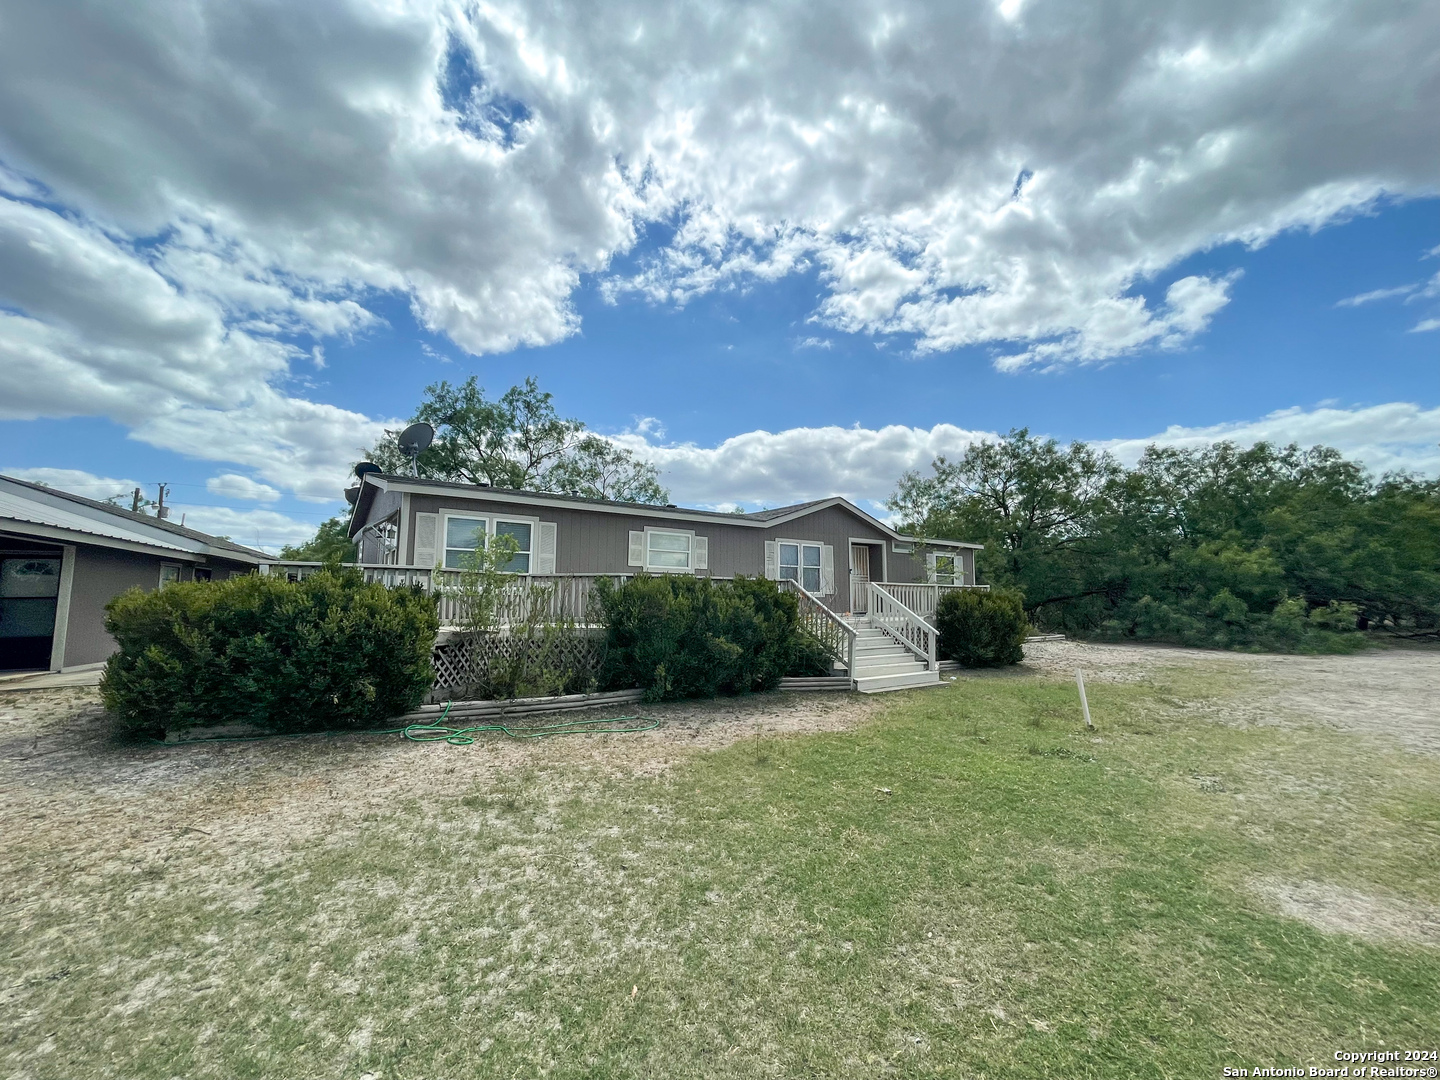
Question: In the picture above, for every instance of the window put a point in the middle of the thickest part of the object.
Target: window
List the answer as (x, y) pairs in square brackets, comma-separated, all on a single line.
[(801, 562), (948, 570), (169, 573), (667, 550), (463, 537), (520, 532)]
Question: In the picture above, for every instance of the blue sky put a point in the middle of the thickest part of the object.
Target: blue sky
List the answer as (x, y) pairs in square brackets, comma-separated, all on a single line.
[(795, 284)]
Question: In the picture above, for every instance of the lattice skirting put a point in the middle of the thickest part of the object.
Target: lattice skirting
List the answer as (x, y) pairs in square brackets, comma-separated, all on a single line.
[(501, 665)]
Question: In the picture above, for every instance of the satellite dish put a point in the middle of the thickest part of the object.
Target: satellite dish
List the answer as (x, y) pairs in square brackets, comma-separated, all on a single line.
[(352, 495), (365, 468), (416, 438), (414, 441)]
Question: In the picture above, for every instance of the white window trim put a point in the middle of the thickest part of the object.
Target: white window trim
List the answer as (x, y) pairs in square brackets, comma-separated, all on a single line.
[(177, 567), (529, 554), (819, 566), (491, 520), (688, 568), (957, 569)]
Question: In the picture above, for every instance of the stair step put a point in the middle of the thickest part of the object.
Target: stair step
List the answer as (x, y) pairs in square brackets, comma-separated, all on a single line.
[(880, 683), (897, 667)]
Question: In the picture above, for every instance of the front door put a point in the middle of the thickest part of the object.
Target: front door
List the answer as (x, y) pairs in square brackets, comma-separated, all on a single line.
[(859, 578)]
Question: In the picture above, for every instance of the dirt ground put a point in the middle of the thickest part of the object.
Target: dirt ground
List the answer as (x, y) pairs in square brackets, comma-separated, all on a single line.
[(1391, 693)]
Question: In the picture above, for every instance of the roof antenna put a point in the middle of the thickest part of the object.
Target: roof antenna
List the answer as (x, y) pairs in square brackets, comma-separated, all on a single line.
[(414, 441)]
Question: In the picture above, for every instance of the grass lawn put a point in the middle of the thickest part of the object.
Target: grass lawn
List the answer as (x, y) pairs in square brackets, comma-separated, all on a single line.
[(967, 885)]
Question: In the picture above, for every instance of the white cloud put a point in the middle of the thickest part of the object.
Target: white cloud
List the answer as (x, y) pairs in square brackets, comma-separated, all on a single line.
[(777, 468), (1415, 291), (280, 163), (1397, 435), (863, 464), (1376, 294), (268, 530), (78, 482), (301, 446), (185, 190), (234, 486)]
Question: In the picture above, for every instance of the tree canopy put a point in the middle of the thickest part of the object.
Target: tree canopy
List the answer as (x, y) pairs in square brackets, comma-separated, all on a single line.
[(519, 441), (1264, 546), (331, 543)]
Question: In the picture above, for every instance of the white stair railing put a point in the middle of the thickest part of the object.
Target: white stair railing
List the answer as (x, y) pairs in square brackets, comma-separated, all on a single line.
[(817, 620), (902, 624)]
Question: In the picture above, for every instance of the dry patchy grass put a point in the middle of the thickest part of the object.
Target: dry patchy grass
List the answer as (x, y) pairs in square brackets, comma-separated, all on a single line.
[(957, 882)]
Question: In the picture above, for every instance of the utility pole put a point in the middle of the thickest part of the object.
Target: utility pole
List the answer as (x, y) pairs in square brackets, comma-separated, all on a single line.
[(161, 511), (135, 501)]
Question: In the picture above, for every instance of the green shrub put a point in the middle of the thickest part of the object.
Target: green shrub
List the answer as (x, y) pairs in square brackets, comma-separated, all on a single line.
[(679, 637), (981, 629), (325, 653)]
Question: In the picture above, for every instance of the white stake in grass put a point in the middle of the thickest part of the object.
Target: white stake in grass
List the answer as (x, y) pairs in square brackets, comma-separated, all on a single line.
[(1084, 705)]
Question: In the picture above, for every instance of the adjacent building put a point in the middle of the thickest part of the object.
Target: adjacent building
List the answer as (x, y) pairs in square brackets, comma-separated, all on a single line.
[(64, 557)]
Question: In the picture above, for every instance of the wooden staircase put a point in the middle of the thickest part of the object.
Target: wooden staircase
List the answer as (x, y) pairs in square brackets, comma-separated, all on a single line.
[(882, 663)]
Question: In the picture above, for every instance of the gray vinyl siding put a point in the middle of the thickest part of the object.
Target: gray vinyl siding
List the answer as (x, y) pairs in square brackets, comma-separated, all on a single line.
[(101, 574), (593, 542), (835, 526), (909, 568), (597, 542)]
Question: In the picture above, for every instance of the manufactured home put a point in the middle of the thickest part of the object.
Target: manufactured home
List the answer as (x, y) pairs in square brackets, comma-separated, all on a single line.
[(862, 585)]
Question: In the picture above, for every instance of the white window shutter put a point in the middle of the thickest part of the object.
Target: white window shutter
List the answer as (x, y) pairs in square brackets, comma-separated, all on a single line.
[(700, 553), (930, 566), (637, 548), (959, 568), (545, 548), (772, 560), (427, 532), (827, 570)]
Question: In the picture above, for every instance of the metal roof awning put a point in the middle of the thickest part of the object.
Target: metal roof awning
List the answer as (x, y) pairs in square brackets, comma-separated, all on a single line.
[(23, 511)]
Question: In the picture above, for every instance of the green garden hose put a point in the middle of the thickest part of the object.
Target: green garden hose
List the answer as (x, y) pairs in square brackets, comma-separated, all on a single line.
[(465, 736)]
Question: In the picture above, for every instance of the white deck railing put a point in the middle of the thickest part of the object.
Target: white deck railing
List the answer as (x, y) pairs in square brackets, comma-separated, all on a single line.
[(817, 620), (902, 624), (923, 598), (527, 598)]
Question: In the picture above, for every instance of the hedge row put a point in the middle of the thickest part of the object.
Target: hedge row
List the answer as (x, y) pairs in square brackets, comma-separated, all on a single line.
[(326, 653)]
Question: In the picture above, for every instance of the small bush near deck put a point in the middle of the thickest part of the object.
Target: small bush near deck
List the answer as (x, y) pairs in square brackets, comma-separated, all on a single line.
[(981, 629), (679, 637), (324, 653)]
